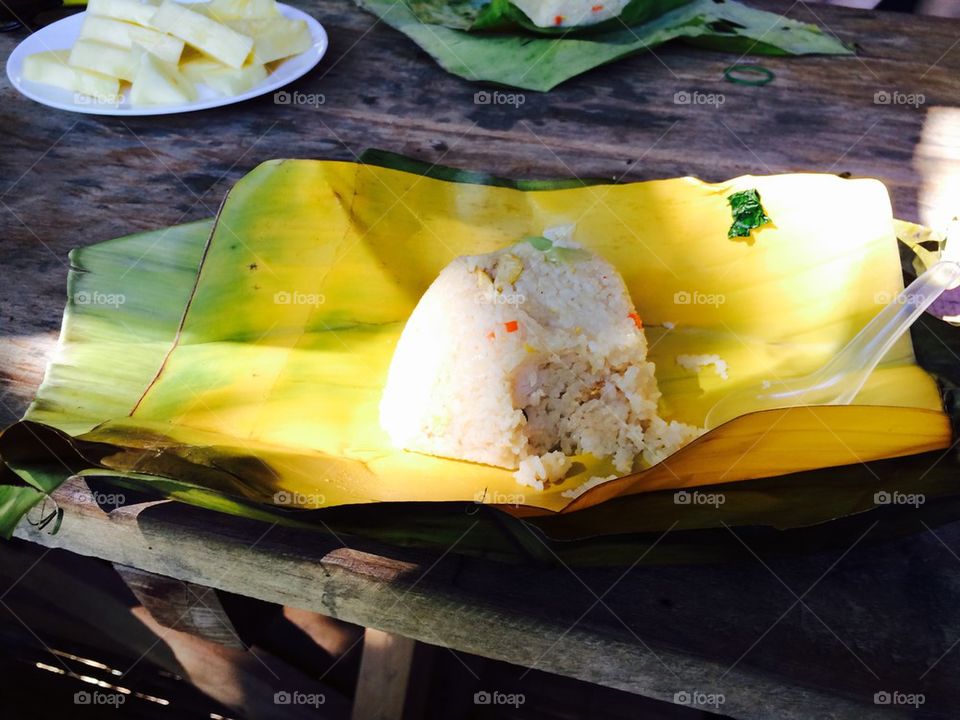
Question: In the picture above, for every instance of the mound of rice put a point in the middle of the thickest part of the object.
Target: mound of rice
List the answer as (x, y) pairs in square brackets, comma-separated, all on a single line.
[(524, 357), (569, 13)]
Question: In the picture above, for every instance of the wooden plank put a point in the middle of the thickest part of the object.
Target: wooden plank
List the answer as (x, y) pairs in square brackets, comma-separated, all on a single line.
[(52, 602), (181, 605), (657, 632), (384, 676)]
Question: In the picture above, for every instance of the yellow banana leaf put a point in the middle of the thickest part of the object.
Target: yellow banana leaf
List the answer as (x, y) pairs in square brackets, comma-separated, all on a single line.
[(259, 372)]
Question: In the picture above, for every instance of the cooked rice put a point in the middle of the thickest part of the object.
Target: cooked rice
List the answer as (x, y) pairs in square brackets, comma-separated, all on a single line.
[(695, 363), (524, 357)]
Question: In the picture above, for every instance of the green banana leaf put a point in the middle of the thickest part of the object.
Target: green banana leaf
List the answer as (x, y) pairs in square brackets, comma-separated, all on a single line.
[(532, 61), (103, 377), (771, 513)]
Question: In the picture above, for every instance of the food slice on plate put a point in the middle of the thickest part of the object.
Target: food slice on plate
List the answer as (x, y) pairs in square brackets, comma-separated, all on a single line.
[(204, 33), (129, 10), (105, 59), (524, 358), (52, 68), (238, 9), (160, 83), (274, 38), (222, 78), (125, 35)]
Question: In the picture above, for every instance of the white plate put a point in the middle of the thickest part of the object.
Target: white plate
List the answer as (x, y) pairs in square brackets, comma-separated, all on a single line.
[(64, 33)]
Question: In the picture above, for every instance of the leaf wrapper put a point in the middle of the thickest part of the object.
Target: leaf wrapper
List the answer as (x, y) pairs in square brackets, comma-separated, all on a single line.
[(534, 61), (240, 363)]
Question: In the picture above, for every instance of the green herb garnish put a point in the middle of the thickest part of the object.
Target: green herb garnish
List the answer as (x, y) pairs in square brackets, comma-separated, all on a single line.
[(748, 213), (556, 254), (539, 242)]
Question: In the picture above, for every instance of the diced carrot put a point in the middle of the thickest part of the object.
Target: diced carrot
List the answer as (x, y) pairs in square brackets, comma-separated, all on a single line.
[(636, 320), (597, 8), (512, 326), (558, 20), (491, 335)]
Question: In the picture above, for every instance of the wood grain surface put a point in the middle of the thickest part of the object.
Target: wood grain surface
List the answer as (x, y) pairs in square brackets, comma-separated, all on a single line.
[(880, 618), (814, 636)]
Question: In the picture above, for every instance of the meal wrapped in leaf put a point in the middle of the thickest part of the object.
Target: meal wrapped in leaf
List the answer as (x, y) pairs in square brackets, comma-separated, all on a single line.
[(526, 356), (257, 370), (538, 44)]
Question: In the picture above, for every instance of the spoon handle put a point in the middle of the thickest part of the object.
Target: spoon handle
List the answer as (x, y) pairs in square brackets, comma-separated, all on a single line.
[(839, 381)]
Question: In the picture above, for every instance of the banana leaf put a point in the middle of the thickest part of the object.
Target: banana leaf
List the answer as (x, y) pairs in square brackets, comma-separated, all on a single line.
[(237, 365), (525, 58)]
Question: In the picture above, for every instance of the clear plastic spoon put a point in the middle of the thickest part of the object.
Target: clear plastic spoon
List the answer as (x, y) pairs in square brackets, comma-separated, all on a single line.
[(839, 381)]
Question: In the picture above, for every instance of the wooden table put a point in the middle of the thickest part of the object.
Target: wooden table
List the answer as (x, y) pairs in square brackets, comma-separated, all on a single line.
[(809, 636)]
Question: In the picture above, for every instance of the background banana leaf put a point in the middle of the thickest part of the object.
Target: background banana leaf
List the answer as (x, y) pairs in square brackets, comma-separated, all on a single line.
[(96, 377), (529, 60)]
